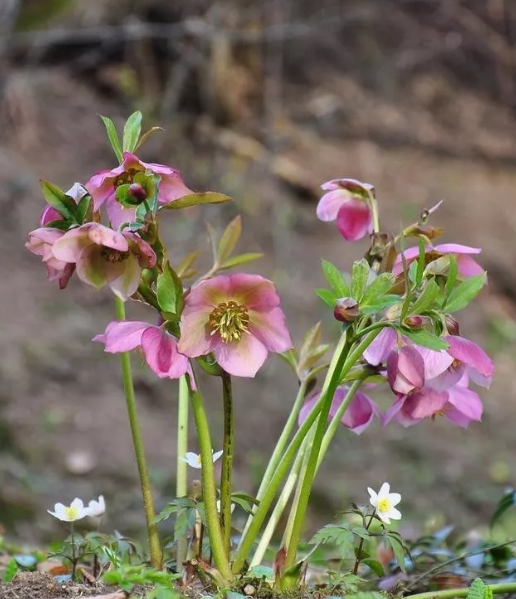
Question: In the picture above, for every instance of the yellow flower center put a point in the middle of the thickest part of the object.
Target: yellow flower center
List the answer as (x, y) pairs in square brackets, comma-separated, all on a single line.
[(384, 505), (126, 177), (71, 512), (230, 320)]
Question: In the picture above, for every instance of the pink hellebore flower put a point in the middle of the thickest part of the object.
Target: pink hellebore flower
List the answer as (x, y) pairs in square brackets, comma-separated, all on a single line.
[(102, 187), (405, 370), (358, 415), (467, 357), (466, 266), (158, 347), (49, 214), (238, 318), (346, 202), (41, 242), (103, 256)]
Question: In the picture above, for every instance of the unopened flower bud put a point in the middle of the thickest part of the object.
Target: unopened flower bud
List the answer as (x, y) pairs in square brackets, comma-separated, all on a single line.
[(451, 324), (416, 322), (137, 192), (346, 309)]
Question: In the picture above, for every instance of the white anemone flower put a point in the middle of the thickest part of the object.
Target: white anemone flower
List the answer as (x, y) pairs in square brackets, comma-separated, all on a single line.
[(384, 502), (70, 513), (96, 508), (194, 459)]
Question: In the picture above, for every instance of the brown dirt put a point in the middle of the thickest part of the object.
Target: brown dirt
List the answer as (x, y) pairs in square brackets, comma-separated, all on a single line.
[(37, 585), (63, 429)]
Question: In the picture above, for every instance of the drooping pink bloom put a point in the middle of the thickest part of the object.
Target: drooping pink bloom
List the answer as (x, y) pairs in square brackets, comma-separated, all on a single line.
[(346, 202), (458, 403), (41, 242), (405, 370), (381, 346), (49, 214), (104, 257), (158, 347), (238, 319), (102, 187), (466, 265), (358, 415), (470, 358)]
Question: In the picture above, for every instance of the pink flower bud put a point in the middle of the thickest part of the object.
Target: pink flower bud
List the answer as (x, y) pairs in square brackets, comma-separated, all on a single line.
[(137, 192), (452, 325), (346, 309)]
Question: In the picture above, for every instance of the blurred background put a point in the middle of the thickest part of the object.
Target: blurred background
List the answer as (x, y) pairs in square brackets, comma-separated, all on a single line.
[(263, 100)]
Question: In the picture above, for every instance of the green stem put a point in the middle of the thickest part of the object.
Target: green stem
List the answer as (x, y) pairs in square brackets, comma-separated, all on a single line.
[(284, 464), (148, 504), (345, 361), (508, 587), (373, 205), (74, 558), (209, 492), (182, 466), (279, 508), (278, 452), (227, 461), (361, 545)]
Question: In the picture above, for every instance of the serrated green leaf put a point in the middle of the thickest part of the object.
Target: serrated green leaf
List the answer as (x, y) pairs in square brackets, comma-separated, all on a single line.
[(59, 200), (132, 130), (169, 291), (399, 552), (327, 296), (378, 288), (361, 532), (506, 502), (427, 297), (240, 259), (197, 199), (385, 302), (339, 535), (260, 572), (113, 137), (229, 239), (424, 338), (462, 295), (336, 279), (359, 277), (476, 590)]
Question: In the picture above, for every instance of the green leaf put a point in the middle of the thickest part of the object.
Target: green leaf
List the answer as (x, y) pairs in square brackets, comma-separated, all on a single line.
[(62, 225), (260, 572), (452, 275), (376, 567), (339, 535), (132, 130), (229, 239), (378, 288), (327, 296), (10, 571), (170, 291), (424, 338), (462, 295), (399, 551), (428, 296), (420, 262), (336, 279), (359, 277), (384, 302), (59, 200), (113, 137), (196, 199), (82, 211), (505, 503), (361, 532), (240, 259), (477, 589)]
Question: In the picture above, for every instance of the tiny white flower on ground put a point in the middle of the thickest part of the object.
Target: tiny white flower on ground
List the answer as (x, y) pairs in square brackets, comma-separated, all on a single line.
[(96, 508), (384, 502), (70, 513), (194, 459)]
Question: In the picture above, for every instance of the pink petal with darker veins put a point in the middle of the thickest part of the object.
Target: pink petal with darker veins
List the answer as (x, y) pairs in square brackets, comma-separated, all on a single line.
[(425, 403), (379, 350), (252, 291), (330, 204), (195, 337), (471, 354), (354, 220), (243, 357), (161, 353), (122, 335), (405, 370), (269, 327)]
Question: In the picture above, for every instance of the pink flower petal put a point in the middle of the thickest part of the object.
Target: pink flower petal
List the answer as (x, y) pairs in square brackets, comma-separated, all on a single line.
[(118, 214), (354, 220), (330, 204), (161, 353), (269, 327), (252, 291), (92, 267), (467, 267), (405, 370), (425, 403), (471, 354), (101, 185), (436, 362), (126, 283), (243, 357), (455, 248), (195, 334), (467, 402), (379, 350), (409, 254), (359, 414), (209, 293), (122, 335)]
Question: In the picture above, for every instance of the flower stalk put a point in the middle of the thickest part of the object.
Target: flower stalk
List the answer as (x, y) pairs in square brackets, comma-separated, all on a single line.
[(181, 465), (143, 472), (228, 449)]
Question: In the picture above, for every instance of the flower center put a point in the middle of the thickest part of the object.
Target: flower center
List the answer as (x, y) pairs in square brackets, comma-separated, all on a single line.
[(71, 512), (230, 320), (384, 505), (113, 256), (126, 177)]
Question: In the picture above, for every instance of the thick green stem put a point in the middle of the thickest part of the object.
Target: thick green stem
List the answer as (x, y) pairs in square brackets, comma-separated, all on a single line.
[(209, 491), (344, 365), (284, 464), (227, 461), (148, 504), (182, 466), (278, 452), (508, 587)]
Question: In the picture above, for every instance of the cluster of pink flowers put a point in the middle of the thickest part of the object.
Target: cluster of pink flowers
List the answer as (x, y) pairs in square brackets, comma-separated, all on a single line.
[(236, 318)]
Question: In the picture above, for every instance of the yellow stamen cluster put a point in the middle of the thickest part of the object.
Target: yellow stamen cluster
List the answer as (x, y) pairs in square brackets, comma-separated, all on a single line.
[(126, 177), (113, 256), (229, 320), (71, 512), (384, 505)]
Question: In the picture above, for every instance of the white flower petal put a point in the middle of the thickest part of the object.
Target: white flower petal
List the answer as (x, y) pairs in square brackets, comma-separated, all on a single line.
[(394, 514), (217, 455), (384, 490), (394, 498)]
